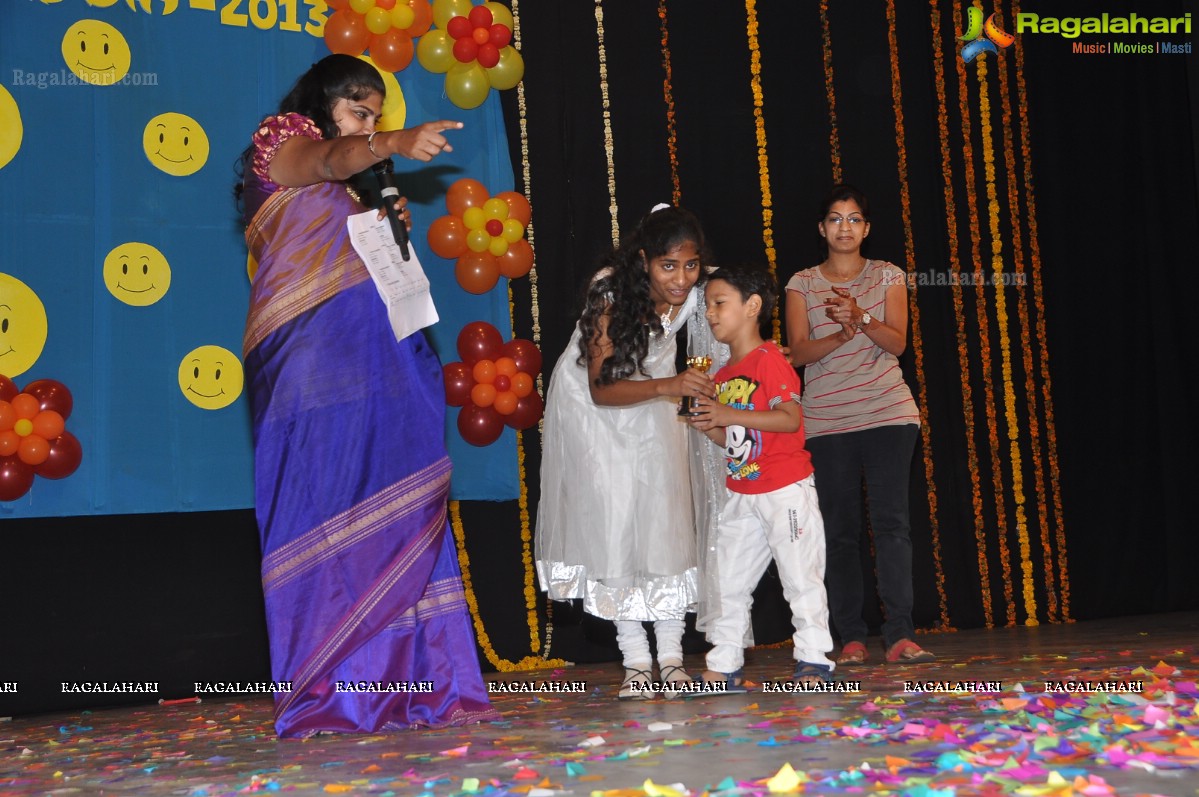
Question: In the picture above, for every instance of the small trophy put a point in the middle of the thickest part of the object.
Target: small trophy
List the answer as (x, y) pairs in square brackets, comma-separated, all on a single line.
[(701, 364)]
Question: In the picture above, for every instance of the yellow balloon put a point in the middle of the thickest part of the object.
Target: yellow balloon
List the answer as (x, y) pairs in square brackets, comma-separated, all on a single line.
[(508, 72), (474, 218), (101, 3), (251, 266), (513, 230), (361, 6), (402, 15), (435, 51), (137, 274), (211, 377), (23, 326), (378, 20), (175, 143), (96, 52), (11, 130), (497, 246), (496, 208), (500, 15), (445, 10), (478, 240), (395, 109), (466, 85)]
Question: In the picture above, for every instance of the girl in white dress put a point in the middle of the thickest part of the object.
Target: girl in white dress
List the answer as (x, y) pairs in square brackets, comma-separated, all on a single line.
[(616, 524)]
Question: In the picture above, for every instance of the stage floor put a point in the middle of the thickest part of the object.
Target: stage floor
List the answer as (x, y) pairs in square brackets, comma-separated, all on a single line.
[(1021, 740)]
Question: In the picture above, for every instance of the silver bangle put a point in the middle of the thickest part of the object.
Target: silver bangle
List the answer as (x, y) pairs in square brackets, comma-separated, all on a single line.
[(370, 144)]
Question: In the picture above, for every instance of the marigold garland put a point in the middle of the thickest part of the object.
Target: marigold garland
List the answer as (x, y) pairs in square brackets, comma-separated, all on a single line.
[(755, 85), (984, 337), (1030, 389), (914, 311), (503, 665), (1034, 247), (834, 141), (960, 316), (609, 149), (672, 141)]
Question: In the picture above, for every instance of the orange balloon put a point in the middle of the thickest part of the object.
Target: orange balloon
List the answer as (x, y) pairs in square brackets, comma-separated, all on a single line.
[(518, 206), (9, 441), (477, 272), (522, 384), (505, 366), (447, 237), (33, 449), (465, 193), (25, 405), (517, 261), (505, 403), (8, 416), (346, 33), (484, 372), (48, 424), (424, 18), (483, 395), (392, 50)]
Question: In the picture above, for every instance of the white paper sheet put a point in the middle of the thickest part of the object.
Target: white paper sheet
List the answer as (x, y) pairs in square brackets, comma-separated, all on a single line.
[(402, 284)]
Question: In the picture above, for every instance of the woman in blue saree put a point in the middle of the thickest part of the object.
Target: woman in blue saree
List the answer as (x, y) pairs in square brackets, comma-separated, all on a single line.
[(366, 613)]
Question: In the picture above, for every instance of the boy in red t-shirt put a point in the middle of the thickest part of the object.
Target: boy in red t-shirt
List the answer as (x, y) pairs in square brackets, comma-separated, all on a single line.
[(772, 510)]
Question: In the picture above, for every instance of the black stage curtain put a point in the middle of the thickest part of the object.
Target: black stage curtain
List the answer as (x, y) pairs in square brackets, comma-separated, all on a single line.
[(1110, 154)]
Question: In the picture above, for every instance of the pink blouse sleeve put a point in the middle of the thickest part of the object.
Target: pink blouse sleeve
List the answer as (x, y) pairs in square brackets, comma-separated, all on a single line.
[(271, 134)]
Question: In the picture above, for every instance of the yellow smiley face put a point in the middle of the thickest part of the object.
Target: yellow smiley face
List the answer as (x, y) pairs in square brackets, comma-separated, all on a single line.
[(11, 130), (211, 377), (137, 274), (96, 52), (22, 326), (175, 143)]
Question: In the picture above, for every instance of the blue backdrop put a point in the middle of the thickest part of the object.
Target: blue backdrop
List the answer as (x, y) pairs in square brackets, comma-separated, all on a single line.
[(81, 184)]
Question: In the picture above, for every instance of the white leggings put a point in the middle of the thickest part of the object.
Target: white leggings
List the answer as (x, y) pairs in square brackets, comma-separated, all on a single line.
[(634, 642)]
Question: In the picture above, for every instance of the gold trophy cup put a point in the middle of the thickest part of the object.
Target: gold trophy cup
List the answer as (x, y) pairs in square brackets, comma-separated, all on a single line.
[(701, 364)]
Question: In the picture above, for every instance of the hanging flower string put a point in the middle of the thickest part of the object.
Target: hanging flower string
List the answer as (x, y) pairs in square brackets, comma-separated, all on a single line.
[(960, 317), (609, 149), (755, 84), (1034, 247), (914, 311), (668, 96), (834, 141)]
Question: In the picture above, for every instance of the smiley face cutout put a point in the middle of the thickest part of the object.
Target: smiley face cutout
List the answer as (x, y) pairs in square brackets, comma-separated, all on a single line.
[(175, 143), (23, 326), (211, 377), (137, 274), (11, 129), (96, 52)]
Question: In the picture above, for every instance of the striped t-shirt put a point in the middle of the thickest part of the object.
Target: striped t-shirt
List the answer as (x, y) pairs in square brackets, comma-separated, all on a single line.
[(857, 385)]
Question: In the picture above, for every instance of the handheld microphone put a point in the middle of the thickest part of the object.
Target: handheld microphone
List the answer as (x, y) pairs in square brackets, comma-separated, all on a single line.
[(384, 173)]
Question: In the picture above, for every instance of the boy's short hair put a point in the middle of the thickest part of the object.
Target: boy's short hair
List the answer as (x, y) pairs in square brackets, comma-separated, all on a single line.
[(749, 280)]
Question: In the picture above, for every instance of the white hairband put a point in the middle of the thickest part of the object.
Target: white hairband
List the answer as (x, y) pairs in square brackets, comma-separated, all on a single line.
[(660, 206)]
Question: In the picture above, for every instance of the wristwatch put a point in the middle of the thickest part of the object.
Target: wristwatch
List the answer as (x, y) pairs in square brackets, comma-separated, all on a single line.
[(867, 320)]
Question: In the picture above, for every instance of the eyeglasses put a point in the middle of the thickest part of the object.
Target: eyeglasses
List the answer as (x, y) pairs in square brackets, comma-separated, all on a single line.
[(838, 220)]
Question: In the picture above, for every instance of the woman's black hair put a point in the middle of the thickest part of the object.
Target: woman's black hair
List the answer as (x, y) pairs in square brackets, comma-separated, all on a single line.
[(334, 77), (622, 294), (844, 192), (749, 280)]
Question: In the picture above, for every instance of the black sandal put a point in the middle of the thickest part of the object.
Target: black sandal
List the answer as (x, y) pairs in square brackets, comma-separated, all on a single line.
[(643, 680)]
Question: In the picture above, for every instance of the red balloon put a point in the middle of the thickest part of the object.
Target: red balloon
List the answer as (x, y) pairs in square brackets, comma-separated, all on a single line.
[(480, 17), (477, 272), (528, 412), (488, 54), (479, 340), (65, 456), (458, 382), (33, 449), (500, 35), (465, 193), (479, 426), (465, 49), (526, 354), (458, 27), (517, 261), (502, 384), (447, 237), (386, 5), (8, 388), (494, 227), (392, 51), (15, 478), (52, 395), (346, 33)]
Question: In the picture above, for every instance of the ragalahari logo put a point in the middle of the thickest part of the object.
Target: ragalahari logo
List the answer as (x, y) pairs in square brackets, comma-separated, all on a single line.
[(983, 37)]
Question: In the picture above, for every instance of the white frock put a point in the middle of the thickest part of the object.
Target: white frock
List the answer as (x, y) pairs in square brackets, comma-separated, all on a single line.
[(616, 523)]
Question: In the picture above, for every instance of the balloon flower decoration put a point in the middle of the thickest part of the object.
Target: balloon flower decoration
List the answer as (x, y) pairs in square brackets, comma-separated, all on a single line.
[(485, 233), (386, 27), (493, 384), (470, 45), (33, 435)]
